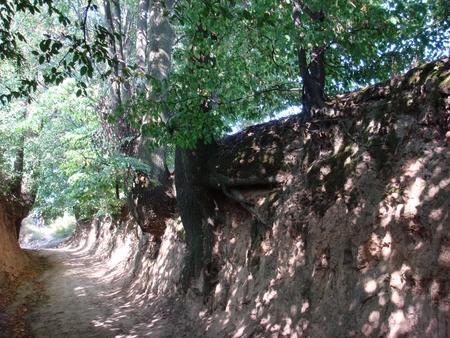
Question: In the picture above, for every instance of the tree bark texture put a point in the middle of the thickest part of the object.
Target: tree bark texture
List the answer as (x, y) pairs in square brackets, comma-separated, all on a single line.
[(141, 34), (313, 77), (16, 203), (198, 207), (191, 214), (120, 91), (198, 185), (151, 204), (312, 72)]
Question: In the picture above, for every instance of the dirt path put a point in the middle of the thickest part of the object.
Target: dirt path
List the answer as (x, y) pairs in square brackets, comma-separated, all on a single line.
[(84, 300)]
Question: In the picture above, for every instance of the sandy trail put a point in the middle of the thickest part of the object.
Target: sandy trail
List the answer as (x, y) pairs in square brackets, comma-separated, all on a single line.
[(86, 300)]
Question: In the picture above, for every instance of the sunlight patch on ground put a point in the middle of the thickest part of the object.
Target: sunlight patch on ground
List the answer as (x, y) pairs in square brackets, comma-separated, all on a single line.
[(35, 234)]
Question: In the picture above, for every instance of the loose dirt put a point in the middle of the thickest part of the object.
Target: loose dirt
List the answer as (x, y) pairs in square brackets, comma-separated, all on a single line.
[(78, 297)]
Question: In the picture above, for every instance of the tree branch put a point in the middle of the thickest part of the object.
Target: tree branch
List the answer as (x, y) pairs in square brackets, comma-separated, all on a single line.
[(276, 88), (315, 16), (85, 21)]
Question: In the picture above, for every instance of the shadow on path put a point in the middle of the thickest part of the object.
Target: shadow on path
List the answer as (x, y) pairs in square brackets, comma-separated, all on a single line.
[(84, 299)]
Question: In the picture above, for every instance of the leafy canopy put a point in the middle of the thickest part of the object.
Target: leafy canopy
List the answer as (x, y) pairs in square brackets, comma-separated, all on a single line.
[(233, 61), (71, 163), (241, 57), (44, 42)]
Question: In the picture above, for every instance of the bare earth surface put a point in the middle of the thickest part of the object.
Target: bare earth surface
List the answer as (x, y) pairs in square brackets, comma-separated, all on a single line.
[(83, 299)]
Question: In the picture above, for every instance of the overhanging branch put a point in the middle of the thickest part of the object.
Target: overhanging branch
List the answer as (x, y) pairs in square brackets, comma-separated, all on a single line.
[(85, 21)]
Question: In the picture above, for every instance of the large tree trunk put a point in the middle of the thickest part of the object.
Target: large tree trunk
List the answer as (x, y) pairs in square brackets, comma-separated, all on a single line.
[(16, 186), (150, 204), (197, 186), (141, 34), (197, 202), (191, 214), (119, 92), (150, 199)]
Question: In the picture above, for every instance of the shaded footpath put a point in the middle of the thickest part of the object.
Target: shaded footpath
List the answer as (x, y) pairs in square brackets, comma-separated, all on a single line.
[(78, 297)]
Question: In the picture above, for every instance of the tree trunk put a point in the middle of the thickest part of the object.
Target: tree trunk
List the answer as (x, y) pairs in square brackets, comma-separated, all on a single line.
[(141, 34), (191, 214), (17, 204), (313, 77), (197, 204), (312, 73), (119, 91), (151, 204), (197, 185)]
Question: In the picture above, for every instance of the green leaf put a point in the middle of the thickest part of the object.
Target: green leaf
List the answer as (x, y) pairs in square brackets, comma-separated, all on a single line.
[(45, 45), (21, 37), (393, 20)]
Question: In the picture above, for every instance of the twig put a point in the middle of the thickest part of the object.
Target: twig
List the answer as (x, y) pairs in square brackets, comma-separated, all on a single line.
[(85, 21)]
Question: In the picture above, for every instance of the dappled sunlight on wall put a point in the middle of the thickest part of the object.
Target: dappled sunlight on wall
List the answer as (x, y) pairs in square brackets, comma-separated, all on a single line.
[(136, 269), (358, 242), (159, 271)]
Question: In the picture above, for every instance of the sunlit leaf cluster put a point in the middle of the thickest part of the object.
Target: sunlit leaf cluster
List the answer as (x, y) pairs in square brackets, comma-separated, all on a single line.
[(240, 58)]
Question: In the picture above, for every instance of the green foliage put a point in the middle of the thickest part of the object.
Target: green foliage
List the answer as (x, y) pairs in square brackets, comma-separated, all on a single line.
[(12, 130), (72, 158), (239, 59), (70, 161), (46, 47), (32, 233)]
